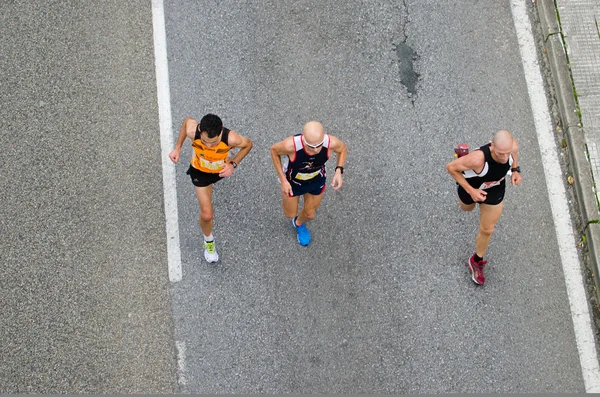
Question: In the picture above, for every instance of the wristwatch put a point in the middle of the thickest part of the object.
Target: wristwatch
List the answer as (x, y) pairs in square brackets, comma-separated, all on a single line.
[(340, 167), (234, 164), (516, 169)]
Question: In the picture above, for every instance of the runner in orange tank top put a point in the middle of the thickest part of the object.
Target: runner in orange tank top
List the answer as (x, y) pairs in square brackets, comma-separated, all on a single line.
[(211, 143)]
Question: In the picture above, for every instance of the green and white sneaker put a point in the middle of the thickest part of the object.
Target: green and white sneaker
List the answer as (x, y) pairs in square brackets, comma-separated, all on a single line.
[(210, 252)]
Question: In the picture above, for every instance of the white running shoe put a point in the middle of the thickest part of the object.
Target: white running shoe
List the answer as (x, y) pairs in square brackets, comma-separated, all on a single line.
[(210, 252)]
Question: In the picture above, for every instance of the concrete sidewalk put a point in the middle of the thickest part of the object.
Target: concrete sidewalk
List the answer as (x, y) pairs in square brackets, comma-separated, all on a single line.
[(572, 40)]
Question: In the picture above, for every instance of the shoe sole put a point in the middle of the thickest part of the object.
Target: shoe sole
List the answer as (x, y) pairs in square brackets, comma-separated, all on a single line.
[(472, 273)]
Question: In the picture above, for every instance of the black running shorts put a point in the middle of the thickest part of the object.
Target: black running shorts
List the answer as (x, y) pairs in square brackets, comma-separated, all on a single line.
[(202, 179), (315, 187), (494, 196)]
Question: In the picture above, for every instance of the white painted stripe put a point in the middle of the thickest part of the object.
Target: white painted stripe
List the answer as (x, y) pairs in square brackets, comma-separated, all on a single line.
[(558, 201), (166, 140), (181, 362)]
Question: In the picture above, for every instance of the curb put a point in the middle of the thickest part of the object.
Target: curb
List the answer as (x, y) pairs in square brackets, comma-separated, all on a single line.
[(574, 134)]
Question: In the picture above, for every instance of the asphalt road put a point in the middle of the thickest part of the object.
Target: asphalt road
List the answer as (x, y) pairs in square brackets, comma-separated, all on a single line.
[(84, 290), (380, 302)]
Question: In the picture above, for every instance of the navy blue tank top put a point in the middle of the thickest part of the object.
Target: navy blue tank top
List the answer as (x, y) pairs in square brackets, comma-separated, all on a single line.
[(303, 168)]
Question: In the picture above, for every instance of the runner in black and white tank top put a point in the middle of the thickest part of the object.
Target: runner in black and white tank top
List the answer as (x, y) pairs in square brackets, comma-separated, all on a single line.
[(492, 179)]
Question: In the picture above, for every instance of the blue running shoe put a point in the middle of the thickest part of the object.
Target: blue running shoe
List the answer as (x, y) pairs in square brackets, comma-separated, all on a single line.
[(303, 233)]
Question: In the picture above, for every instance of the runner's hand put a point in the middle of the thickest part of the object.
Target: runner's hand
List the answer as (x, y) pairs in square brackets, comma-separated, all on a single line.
[(174, 156), (337, 182), (227, 170), (286, 188), (478, 195), (516, 178)]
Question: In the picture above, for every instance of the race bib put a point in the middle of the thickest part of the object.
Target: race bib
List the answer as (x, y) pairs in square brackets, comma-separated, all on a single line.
[(487, 185), (211, 165), (301, 176)]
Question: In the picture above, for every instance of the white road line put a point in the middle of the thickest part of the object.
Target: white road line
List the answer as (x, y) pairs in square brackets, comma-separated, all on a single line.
[(558, 201), (166, 140), (181, 362)]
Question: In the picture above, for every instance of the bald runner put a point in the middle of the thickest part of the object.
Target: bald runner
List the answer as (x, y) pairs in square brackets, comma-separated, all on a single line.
[(299, 161), (480, 176)]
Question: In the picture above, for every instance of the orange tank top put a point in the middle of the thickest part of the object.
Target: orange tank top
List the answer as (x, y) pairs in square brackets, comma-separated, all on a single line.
[(210, 159)]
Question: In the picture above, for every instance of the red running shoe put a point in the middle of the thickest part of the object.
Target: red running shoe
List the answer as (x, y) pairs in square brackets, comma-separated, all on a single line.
[(477, 270)]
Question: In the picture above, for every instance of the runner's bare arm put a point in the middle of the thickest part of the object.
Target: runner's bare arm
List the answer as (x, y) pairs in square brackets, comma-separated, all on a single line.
[(516, 177), (238, 141), (341, 151), (189, 124), (472, 161), (241, 142), (283, 148)]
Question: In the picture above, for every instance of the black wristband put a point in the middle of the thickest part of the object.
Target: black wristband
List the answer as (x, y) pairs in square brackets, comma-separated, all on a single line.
[(234, 164), (340, 167), (516, 169)]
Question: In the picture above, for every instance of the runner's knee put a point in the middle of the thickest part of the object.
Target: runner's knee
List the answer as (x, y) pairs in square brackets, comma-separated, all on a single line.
[(486, 229), (310, 214), (206, 215)]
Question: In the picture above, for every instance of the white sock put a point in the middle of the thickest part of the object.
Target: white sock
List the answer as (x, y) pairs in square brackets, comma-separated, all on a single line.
[(209, 238)]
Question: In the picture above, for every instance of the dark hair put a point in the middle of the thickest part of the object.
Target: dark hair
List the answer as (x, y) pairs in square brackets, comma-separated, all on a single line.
[(211, 124)]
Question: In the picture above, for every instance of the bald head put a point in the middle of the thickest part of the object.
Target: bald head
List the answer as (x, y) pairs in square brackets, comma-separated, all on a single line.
[(503, 140), (313, 132)]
